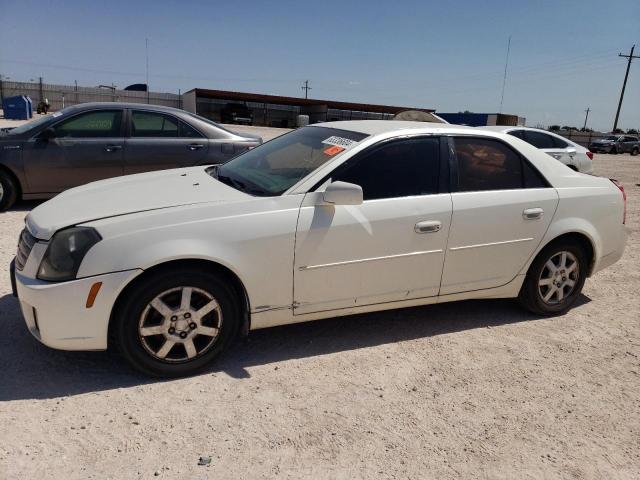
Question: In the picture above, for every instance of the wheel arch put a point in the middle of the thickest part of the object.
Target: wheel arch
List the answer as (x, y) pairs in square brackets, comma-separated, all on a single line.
[(203, 264), (15, 177), (579, 236)]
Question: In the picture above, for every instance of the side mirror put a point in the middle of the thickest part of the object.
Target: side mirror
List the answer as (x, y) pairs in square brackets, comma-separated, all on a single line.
[(343, 193), (48, 133), (571, 151)]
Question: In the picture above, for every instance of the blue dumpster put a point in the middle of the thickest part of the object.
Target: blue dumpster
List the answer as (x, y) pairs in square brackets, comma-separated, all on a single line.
[(16, 108)]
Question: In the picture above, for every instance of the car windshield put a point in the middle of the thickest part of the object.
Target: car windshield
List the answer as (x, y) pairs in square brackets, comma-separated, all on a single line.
[(274, 167), (210, 122), (26, 127)]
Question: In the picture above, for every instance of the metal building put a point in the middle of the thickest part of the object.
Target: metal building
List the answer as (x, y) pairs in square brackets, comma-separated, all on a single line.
[(277, 111)]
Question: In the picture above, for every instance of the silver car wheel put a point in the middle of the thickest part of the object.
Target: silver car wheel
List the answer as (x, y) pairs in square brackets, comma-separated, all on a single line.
[(180, 324), (1, 191), (558, 278)]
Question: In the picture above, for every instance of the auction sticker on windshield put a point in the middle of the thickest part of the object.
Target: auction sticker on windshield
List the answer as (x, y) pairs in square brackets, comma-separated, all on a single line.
[(339, 142), (333, 150)]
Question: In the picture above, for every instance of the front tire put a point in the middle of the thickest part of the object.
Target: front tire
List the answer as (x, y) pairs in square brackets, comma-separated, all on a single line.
[(175, 323), (635, 151), (8, 191), (555, 279)]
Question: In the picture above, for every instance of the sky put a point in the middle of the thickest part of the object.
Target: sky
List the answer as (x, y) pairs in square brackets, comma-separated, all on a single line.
[(449, 56)]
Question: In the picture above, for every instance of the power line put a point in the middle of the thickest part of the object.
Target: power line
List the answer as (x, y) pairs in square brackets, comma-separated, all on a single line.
[(629, 58), (504, 78), (306, 88)]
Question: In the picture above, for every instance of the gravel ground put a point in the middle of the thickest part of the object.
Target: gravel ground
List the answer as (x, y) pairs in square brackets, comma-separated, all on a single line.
[(476, 389)]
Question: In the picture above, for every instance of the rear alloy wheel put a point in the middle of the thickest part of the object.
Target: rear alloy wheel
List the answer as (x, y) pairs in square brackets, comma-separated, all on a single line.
[(635, 151), (8, 191), (175, 323), (555, 279)]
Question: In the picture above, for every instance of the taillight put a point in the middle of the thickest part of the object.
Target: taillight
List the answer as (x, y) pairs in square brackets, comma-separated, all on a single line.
[(624, 197), (589, 154)]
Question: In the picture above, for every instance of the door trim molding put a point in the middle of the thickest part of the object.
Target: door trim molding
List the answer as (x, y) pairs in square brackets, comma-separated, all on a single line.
[(372, 259), (480, 245)]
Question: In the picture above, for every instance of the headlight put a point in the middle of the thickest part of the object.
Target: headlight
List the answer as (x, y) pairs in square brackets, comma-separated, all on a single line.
[(64, 255)]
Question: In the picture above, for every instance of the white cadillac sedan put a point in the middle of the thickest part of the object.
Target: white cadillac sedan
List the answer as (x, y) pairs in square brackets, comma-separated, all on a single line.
[(331, 219), (574, 156)]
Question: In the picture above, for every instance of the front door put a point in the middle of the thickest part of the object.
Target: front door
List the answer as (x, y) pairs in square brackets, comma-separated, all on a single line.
[(501, 210), (159, 141), (389, 248), (84, 148)]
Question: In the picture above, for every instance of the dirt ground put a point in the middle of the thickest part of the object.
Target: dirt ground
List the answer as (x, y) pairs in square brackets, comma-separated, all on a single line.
[(477, 389)]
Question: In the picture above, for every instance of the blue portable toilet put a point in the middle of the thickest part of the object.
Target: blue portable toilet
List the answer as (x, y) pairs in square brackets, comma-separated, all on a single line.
[(16, 108), (29, 106)]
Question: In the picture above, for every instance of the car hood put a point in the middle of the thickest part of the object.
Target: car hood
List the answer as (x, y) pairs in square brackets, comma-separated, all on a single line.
[(128, 194)]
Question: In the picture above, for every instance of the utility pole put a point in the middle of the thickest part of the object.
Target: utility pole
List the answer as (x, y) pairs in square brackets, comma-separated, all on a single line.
[(504, 78), (585, 118), (306, 88), (629, 58), (146, 50)]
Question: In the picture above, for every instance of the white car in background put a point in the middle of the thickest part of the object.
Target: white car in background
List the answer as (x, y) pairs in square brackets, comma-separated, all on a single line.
[(328, 220), (570, 153)]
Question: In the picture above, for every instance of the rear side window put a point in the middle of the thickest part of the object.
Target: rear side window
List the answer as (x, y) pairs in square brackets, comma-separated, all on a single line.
[(399, 168), (539, 139), (187, 131), (98, 124), (153, 125), (517, 133), (485, 164)]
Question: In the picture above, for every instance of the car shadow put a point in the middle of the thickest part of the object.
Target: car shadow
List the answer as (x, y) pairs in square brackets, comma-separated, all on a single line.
[(32, 370), (25, 205)]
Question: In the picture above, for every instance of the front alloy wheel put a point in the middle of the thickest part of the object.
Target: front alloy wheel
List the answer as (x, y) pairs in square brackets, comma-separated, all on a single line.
[(174, 322), (180, 324)]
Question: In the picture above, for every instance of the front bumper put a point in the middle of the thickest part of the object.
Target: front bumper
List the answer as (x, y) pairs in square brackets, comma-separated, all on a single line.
[(57, 315)]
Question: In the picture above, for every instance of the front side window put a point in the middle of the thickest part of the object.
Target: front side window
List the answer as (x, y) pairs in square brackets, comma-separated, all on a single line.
[(153, 125), (485, 164), (399, 168), (100, 124), (273, 167)]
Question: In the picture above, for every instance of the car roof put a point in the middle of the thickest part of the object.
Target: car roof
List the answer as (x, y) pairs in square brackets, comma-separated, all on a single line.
[(138, 106), (377, 127)]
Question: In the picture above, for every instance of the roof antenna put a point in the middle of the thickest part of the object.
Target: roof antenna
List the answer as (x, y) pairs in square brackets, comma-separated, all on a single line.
[(504, 79)]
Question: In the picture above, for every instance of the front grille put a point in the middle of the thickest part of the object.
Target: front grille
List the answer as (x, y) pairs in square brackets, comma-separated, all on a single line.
[(25, 244)]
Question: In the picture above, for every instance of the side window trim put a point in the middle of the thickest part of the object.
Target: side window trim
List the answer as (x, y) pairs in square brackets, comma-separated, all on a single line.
[(443, 183), (453, 163)]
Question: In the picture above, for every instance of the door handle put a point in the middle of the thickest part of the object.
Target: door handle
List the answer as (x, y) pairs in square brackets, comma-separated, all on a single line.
[(112, 148), (428, 227), (532, 213), (195, 146)]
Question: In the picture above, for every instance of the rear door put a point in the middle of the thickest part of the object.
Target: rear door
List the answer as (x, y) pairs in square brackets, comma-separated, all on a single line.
[(159, 141), (86, 147), (502, 208)]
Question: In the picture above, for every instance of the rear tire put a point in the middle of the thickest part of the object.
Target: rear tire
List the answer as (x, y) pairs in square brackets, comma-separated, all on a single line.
[(635, 151), (178, 339), (8, 191), (555, 279)]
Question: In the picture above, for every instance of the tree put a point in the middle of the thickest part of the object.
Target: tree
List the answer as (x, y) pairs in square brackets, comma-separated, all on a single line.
[(554, 127), (632, 131), (618, 130)]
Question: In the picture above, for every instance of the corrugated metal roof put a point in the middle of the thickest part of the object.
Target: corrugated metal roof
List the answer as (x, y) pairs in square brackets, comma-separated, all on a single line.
[(262, 98)]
